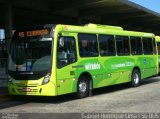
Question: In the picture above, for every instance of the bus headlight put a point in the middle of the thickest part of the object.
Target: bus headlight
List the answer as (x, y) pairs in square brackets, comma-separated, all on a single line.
[(46, 79)]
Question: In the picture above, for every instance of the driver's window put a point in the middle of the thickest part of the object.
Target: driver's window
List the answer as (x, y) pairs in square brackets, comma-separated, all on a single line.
[(66, 51)]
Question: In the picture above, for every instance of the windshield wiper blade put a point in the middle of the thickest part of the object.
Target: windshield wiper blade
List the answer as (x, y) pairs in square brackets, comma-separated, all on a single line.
[(26, 72)]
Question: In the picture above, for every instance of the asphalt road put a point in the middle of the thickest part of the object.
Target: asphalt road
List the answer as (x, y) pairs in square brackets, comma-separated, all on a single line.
[(112, 99)]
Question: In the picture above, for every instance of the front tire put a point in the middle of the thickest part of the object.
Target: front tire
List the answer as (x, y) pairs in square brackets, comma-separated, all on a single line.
[(82, 87), (136, 77)]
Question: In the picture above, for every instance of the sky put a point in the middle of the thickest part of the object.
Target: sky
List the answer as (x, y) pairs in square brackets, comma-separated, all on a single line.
[(154, 5), (150, 4)]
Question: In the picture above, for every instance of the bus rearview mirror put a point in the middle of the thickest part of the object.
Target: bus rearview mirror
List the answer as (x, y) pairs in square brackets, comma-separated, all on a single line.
[(61, 42)]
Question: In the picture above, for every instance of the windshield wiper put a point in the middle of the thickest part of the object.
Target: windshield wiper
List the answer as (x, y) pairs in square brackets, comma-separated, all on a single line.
[(26, 72)]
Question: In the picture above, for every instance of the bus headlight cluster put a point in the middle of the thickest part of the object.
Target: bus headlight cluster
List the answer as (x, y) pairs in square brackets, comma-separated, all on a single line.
[(46, 79)]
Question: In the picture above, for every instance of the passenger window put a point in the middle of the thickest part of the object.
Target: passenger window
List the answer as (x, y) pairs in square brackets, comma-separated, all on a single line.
[(136, 45), (147, 46), (107, 45), (122, 43), (88, 46), (158, 46), (66, 52), (154, 46)]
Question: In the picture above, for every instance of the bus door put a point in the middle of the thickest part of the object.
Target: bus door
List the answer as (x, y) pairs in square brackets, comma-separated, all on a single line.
[(66, 57)]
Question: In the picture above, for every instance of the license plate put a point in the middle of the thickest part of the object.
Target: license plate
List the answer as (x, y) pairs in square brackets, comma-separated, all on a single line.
[(26, 90)]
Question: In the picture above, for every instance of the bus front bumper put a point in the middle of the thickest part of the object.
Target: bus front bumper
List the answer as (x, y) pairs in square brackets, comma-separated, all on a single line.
[(39, 90)]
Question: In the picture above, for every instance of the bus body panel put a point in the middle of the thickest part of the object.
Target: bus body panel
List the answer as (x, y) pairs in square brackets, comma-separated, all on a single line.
[(32, 87), (104, 71)]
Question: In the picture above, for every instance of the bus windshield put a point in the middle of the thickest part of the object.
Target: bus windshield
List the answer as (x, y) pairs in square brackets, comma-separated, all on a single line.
[(30, 56)]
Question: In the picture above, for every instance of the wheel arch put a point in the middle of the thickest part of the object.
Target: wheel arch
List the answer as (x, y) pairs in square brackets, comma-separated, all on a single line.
[(137, 68), (89, 77), (85, 76)]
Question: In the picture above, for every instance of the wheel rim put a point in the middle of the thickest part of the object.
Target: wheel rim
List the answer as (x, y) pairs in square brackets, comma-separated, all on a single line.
[(82, 87), (136, 78)]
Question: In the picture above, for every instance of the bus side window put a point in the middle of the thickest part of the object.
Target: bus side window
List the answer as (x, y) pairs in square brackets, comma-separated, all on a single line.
[(136, 45), (154, 46), (122, 43), (88, 45), (66, 51), (147, 46), (107, 45), (158, 46)]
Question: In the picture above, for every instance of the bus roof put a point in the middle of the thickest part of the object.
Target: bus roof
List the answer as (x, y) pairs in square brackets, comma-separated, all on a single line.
[(104, 26), (158, 38), (103, 29)]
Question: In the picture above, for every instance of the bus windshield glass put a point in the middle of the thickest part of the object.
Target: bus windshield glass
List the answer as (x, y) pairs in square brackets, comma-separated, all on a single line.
[(30, 57)]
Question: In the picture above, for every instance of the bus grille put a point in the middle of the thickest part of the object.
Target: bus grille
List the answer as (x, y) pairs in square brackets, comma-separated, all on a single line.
[(31, 91)]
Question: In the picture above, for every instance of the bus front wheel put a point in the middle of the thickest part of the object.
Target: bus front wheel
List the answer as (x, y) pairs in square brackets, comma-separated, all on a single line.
[(82, 87), (135, 79)]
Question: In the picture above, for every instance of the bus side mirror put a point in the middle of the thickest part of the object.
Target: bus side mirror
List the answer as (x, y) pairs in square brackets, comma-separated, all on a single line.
[(61, 42)]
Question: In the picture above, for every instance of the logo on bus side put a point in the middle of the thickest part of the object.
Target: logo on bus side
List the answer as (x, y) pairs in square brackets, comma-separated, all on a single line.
[(145, 61), (125, 64), (93, 66)]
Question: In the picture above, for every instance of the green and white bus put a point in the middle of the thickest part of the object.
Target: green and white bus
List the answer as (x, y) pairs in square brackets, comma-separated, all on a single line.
[(158, 48), (52, 60)]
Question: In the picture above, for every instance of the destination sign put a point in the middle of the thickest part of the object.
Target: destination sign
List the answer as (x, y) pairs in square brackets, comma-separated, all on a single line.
[(33, 33)]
